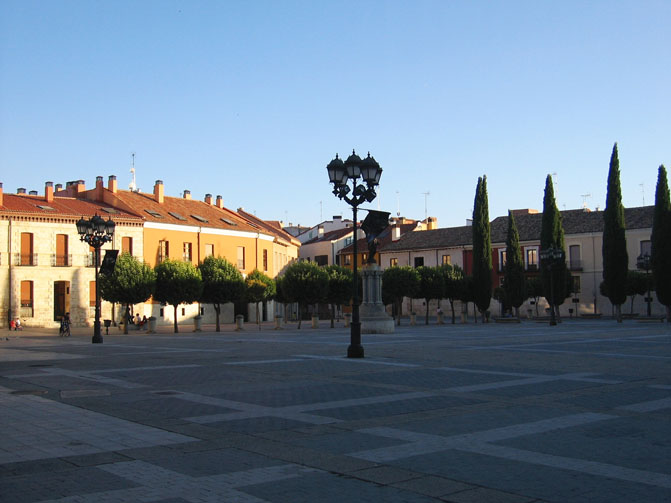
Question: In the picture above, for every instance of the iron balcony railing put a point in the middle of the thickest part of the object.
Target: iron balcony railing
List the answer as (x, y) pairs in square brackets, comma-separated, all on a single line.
[(61, 260)]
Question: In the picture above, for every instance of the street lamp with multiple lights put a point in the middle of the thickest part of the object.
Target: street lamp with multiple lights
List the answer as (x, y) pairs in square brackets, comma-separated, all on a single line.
[(96, 232), (340, 173), (552, 256)]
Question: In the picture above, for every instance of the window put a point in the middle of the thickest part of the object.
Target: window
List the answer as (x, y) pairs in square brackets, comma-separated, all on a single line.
[(241, 257), (575, 264), (26, 294), (209, 250), (447, 260), (186, 252), (322, 260), (265, 260), (419, 261), (576, 284), (502, 259), (127, 245), (393, 262), (348, 259), (348, 241), (364, 258), (27, 249), (92, 293), (92, 255), (646, 247), (61, 250), (163, 250), (532, 259)]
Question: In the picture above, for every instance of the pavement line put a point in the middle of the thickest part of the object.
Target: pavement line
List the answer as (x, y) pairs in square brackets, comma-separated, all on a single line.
[(358, 360), (578, 376), (651, 406)]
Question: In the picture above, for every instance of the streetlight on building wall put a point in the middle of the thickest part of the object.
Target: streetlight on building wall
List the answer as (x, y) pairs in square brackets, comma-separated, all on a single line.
[(552, 256), (96, 232), (340, 173)]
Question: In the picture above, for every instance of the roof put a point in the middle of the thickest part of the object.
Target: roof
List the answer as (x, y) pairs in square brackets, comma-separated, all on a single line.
[(60, 206), (384, 239), (528, 226), (330, 236), (272, 227)]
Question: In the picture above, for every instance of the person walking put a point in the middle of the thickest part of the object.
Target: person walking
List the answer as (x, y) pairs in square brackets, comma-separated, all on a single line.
[(65, 326)]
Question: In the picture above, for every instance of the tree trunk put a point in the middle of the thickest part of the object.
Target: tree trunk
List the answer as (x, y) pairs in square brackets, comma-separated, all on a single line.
[(668, 314), (452, 307), (631, 311), (618, 312), (517, 312), (217, 309), (300, 316), (333, 315), (258, 320), (427, 311), (175, 320), (125, 320), (399, 306)]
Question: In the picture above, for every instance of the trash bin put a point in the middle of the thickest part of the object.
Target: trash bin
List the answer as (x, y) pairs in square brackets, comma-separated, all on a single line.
[(315, 321), (152, 325), (278, 322), (348, 319), (198, 323), (239, 322)]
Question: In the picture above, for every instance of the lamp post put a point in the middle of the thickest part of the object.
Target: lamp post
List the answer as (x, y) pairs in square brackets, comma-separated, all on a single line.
[(644, 263), (552, 256), (340, 173), (96, 232)]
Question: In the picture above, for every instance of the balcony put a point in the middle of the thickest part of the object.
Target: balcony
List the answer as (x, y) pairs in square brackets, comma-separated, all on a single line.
[(25, 259), (575, 265), (61, 260)]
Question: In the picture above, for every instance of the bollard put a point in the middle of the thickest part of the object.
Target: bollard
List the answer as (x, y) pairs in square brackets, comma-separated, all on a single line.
[(278, 322), (348, 319), (198, 323), (440, 318), (315, 321), (152, 325), (413, 318), (239, 322)]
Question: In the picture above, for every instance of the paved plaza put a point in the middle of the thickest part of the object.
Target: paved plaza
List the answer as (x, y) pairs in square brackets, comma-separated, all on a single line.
[(494, 413)]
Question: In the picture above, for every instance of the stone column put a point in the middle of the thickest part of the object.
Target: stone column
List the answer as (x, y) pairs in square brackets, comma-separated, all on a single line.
[(374, 317)]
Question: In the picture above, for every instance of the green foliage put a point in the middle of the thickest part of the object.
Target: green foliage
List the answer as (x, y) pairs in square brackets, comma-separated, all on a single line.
[(534, 289), (222, 283), (614, 251), (259, 286), (452, 276), (514, 283), (305, 283), (399, 282), (131, 282), (661, 241), (339, 287), (177, 283), (552, 236), (431, 286), (482, 248)]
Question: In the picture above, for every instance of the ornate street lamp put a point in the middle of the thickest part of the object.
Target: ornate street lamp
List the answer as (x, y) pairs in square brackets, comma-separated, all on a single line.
[(340, 173), (96, 232), (550, 257), (643, 262)]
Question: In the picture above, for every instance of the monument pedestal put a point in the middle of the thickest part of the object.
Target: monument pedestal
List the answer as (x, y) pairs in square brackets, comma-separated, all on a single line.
[(374, 317)]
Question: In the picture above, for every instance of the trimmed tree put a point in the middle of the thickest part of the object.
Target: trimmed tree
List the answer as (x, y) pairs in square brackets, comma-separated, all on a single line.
[(131, 282), (339, 288), (452, 276), (259, 287), (534, 288), (177, 283), (552, 236), (305, 283), (637, 284), (222, 283), (614, 250), (464, 293), (397, 283), (482, 249), (513, 272), (661, 242), (431, 286)]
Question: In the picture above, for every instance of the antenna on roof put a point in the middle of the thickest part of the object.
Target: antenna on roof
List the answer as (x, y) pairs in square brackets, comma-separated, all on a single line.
[(426, 196), (642, 192), (132, 186), (398, 204), (584, 200)]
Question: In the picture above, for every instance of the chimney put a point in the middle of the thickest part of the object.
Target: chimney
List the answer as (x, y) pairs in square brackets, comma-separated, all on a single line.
[(32, 193), (187, 194), (220, 202), (49, 191), (111, 184), (79, 187), (395, 233), (1, 196), (208, 198), (99, 181), (337, 217), (320, 231), (20, 190), (431, 223), (158, 191), (59, 187), (99, 188)]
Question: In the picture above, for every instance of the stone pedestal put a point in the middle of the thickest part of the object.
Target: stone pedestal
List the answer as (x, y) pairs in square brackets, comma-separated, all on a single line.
[(374, 318)]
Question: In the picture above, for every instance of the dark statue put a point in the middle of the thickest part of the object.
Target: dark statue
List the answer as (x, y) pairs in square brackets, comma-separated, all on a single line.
[(373, 225)]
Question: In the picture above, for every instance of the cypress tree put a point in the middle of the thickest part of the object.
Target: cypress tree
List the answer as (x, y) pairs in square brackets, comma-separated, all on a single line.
[(552, 236), (661, 242), (513, 275), (614, 250), (482, 248)]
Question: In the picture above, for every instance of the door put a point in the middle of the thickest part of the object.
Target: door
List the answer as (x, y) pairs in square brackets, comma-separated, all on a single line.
[(61, 299)]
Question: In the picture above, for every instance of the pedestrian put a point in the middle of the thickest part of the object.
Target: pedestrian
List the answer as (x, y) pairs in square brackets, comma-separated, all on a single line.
[(65, 326), (17, 324)]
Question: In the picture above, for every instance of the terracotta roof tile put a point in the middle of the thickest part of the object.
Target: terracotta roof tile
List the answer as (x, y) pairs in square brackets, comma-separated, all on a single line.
[(62, 206)]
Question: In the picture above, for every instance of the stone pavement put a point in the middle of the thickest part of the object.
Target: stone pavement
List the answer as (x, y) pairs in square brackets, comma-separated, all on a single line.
[(456, 413)]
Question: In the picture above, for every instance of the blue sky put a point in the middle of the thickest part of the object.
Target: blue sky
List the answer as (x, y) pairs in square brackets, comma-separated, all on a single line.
[(252, 99)]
